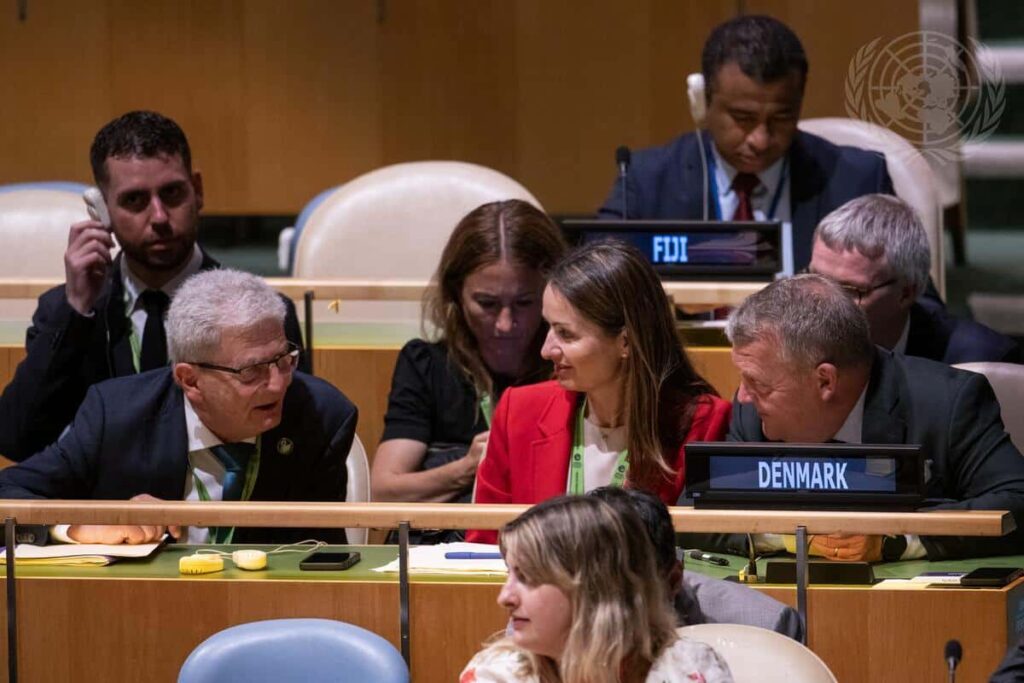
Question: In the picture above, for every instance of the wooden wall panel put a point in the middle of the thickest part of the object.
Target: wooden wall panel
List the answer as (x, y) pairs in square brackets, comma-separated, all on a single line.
[(448, 81), (831, 33), (312, 115), (281, 100), (54, 89), (595, 80)]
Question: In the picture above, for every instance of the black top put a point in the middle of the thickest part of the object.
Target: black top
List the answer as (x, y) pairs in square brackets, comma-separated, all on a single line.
[(431, 400)]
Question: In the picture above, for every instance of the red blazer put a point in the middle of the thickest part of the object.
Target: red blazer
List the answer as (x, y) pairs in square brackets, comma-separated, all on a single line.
[(530, 442)]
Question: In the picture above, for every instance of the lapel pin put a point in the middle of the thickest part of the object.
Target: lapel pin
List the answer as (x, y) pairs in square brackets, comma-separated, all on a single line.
[(285, 446)]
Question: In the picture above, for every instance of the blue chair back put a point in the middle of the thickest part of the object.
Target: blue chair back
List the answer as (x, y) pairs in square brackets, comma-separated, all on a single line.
[(300, 650)]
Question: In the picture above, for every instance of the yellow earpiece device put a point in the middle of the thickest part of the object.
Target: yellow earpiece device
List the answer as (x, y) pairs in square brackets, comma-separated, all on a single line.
[(200, 564)]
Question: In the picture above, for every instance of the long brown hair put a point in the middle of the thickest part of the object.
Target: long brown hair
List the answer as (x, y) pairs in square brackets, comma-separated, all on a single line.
[(602, 559), (510, 229), (613, 286)]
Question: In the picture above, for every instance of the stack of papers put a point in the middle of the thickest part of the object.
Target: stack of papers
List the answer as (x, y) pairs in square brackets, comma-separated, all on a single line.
[(430, 559), (83, 554)]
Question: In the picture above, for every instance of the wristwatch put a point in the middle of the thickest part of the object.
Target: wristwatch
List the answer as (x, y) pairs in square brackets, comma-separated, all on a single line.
[(893, 548)]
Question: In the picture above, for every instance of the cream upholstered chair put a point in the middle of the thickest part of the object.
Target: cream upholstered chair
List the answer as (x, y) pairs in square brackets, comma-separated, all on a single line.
[(34, 223), (912, 178), (358, 488), (393, 223), (759, 655), (1007, 380)]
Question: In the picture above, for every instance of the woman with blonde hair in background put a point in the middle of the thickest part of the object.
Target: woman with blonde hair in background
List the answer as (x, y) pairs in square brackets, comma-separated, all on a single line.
[(587, 604)]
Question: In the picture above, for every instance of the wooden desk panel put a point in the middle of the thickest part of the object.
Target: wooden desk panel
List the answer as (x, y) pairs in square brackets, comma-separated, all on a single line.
[(880, 634), (142, 629)]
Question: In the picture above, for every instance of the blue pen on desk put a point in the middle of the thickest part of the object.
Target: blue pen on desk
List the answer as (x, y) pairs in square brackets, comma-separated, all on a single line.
[(472, 556)]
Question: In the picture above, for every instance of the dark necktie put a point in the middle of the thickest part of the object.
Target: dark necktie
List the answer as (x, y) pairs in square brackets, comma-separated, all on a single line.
[(743, 184), (235, 458), (154, 339)]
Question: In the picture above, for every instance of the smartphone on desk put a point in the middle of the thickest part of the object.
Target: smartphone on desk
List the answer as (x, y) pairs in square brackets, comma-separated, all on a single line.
[(328, 560), (991, 577)]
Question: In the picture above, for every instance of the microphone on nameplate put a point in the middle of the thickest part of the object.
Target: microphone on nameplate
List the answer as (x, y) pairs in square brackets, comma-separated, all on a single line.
[(954, 651), (622, 158)]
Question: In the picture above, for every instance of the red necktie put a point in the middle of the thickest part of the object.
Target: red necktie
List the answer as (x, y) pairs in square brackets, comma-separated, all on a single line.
[(743, 185)]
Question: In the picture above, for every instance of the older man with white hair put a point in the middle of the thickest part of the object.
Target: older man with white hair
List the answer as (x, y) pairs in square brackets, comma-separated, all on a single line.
[(229, 419), (876, 248)]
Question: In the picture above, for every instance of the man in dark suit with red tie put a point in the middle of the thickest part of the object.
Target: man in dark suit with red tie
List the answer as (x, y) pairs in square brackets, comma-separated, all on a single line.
[(758, 165)]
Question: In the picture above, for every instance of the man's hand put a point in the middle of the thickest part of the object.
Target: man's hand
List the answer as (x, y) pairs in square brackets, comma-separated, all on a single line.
[(847, 547), (111, 534), (86, 263)]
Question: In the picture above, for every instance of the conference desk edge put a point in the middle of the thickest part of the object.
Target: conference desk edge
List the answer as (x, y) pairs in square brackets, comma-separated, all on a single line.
[(479, 516), (689, 292), (453, 515)]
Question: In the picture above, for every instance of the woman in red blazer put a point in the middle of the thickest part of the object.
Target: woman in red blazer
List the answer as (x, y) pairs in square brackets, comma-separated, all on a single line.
[(625, 399)]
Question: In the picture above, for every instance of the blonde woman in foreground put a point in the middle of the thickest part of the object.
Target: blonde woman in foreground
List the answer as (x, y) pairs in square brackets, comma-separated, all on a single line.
[(587, 605)]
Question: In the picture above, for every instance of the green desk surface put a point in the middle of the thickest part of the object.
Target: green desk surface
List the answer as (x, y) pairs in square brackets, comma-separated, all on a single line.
[(164, 565), (888, 570)]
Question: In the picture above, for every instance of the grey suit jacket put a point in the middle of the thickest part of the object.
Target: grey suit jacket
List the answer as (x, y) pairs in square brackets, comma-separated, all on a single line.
[(706, 600)]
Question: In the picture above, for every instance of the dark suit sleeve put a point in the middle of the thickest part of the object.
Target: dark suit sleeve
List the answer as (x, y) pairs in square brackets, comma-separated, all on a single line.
[(884, 181), (65, 469), (745, 424), (293, 332), (982, 471), (49, 383), (327, 478), (1011, 669)]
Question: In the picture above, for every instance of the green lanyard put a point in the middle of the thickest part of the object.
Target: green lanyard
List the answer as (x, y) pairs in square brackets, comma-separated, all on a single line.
[(576, 485), (487, 408), (225, 534), (133, 338)]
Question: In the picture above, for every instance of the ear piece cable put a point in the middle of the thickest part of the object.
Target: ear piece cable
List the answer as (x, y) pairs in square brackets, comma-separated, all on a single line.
[(208, 560)]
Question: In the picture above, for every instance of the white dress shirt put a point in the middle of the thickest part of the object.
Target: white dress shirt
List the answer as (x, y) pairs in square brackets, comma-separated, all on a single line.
[(134, 287)]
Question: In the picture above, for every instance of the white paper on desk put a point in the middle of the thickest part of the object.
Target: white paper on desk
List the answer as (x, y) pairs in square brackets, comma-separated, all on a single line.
[(26, 551), (429, 559)]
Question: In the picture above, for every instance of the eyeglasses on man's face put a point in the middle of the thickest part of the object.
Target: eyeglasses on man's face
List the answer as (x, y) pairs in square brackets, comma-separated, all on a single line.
[(858, 294), (285, 363)]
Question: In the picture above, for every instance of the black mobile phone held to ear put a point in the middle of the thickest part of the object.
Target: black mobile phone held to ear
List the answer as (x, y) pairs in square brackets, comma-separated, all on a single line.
[(328, 561), (991, 577)]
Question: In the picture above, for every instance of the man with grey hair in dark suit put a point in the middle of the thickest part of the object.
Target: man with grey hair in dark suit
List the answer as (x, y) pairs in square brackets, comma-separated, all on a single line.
[(876, 248), (229, 419), (810, 374)]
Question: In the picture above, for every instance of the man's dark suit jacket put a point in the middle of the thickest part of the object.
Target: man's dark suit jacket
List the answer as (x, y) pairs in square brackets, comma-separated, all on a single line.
[(129, 437), (666, 183), (939, 336), (954, 416), (66, 353)]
